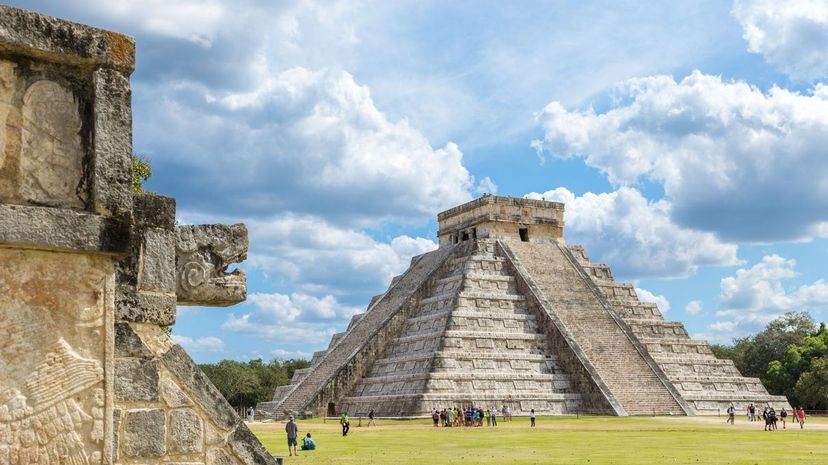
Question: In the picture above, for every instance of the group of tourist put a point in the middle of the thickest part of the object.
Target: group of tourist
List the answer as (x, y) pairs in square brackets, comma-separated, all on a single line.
[(470, 416), (292, 430), (769, 416)]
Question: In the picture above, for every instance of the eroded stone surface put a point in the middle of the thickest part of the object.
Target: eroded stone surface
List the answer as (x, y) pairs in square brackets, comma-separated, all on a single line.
[(42, 155), (144, 433), (55, 323), (186, 431), (51, 162), (174, 397), (136, 380)]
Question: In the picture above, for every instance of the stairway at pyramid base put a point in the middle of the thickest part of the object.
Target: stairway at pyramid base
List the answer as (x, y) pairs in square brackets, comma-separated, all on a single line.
[(503, 313)]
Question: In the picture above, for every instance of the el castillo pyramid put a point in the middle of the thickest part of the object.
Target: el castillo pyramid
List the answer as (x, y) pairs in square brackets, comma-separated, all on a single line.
[(504, 312)]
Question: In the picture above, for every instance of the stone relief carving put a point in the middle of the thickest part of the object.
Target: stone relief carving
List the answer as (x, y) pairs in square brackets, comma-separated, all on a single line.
[(52, 392), (41, 155), (203, 254), (52, 157)]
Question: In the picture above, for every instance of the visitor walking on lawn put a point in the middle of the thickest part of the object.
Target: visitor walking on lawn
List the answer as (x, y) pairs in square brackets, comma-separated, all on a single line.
[(292, 430), (784, 416), (494, 416), (371, 418), (346, 423), (731, 415), (801, 414), (532, 418)]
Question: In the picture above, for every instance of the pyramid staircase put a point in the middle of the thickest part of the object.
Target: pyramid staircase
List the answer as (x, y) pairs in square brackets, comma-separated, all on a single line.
[(472, 341)]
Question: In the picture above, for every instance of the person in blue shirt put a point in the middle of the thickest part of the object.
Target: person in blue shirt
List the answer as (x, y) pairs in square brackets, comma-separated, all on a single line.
[(307, 443)]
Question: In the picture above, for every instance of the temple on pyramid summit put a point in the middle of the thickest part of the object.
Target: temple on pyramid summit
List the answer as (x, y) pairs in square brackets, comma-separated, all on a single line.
[(505, 312)]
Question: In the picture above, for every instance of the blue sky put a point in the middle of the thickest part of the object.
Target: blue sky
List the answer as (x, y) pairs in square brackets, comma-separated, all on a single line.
[(688, 140)]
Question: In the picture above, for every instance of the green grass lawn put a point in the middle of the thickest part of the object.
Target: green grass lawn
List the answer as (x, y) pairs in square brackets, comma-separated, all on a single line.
[(557, 440)]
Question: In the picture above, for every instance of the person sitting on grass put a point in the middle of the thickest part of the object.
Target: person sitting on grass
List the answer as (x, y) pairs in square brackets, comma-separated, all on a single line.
[(307, 443)]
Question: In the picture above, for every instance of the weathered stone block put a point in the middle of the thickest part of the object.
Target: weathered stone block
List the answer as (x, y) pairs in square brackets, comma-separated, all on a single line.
[(158, 261), (144, 433), (153, 211), (112, 144), (173, 396), (116, 428), (127, 342), (145, 307), (208, 397), (58, 40), (186, 432), (59, 229), (220, 457), (136, 380), (248, 448)]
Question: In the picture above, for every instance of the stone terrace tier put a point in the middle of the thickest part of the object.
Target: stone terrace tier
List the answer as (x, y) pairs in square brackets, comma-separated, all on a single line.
[(708, 384)]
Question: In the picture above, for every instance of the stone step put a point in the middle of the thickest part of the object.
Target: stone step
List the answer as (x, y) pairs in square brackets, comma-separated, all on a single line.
[(657, 328)]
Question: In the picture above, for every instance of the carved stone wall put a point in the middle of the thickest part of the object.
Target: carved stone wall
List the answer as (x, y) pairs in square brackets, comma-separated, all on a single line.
[(166, 408), (55, 328), (88, 277)]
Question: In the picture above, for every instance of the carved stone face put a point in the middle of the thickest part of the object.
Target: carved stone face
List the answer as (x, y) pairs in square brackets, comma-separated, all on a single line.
[(203, 254)]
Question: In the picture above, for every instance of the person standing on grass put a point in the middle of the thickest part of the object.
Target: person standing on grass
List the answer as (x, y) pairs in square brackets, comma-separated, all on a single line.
[(494, 416), (346, 423), (731, 415), (488, 418), (371, 418), (783, 415), (532, 418), (292, 430), (801, 415)]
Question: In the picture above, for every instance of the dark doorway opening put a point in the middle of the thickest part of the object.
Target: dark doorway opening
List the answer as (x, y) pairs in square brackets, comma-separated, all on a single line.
[(474, 233), (331, 409), (524, 234), (465, 236)]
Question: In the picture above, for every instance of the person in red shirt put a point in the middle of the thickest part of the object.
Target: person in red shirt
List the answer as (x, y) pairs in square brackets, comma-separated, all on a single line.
[(801, 413)]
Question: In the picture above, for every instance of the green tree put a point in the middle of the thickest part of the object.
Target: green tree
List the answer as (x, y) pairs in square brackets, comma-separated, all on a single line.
[(245, 384), (141, 172), (811, 390)]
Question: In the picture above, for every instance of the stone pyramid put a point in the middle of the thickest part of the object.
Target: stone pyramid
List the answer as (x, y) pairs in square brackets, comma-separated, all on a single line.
[(503, 312)]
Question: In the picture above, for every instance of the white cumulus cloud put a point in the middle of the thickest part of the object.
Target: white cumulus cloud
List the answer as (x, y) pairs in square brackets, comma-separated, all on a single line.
[(694, 307), (295, 318), (303, 141), (790, 34), (636, 236), (733, 160), (646, 296), (754, 296), (201, 344), (321, 258)]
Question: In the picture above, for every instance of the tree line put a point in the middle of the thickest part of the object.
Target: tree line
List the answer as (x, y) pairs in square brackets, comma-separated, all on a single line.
[(244, 384), (790, 356)]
